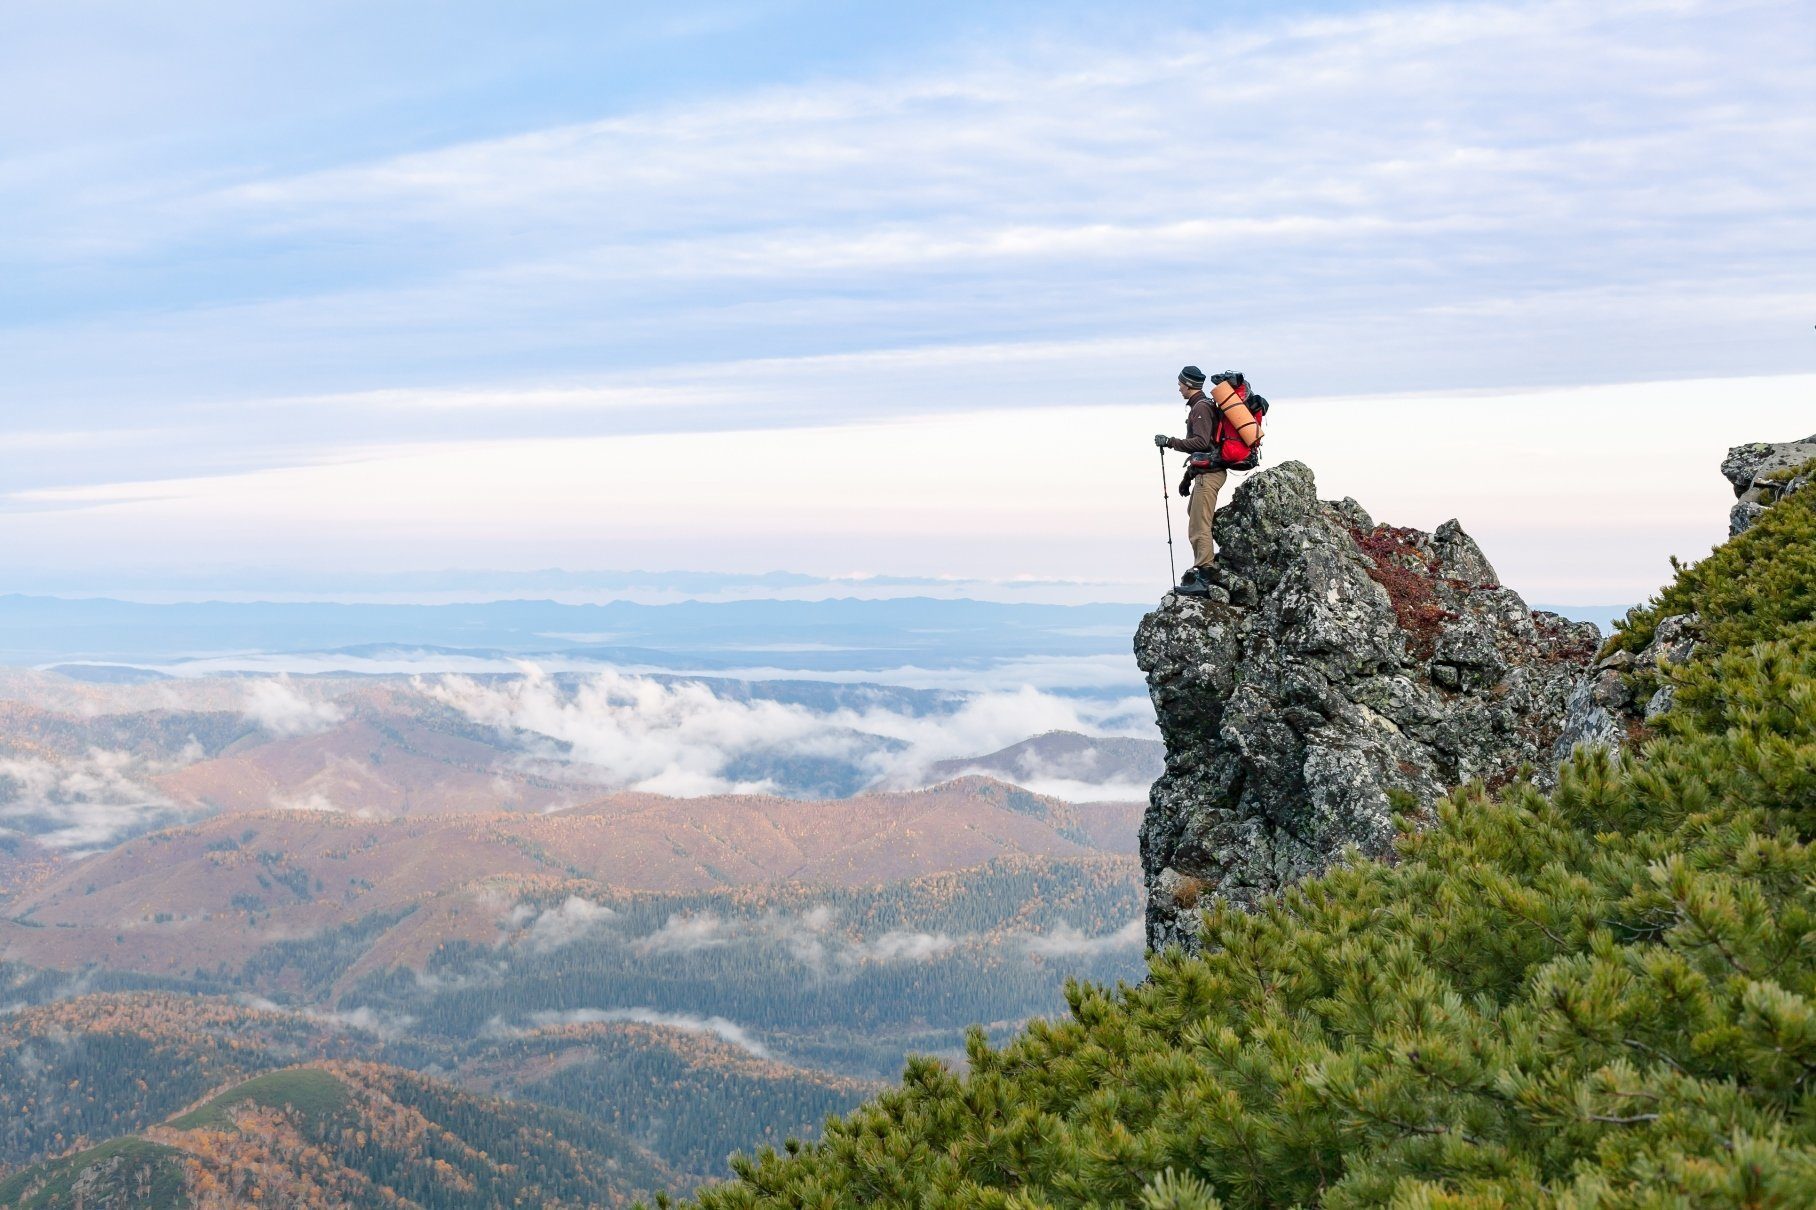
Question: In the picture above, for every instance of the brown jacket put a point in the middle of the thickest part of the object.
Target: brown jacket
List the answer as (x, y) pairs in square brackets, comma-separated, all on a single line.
[(1200, 427)]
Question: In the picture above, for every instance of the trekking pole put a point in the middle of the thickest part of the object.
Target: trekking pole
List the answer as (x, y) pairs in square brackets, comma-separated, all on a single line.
[(1166, 502)]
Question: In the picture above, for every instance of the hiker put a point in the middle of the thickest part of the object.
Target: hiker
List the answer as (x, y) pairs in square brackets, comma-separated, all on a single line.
[(1221, 433)]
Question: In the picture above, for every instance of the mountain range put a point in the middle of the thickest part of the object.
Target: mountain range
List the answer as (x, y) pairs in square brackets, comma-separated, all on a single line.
[(246, 918), (649, 983)]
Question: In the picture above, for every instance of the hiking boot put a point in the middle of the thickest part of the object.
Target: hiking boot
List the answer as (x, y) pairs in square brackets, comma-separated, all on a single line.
[(1199, 590)]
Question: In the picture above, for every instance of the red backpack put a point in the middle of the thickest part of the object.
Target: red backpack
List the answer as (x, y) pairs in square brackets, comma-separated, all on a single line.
[(1232, 452)]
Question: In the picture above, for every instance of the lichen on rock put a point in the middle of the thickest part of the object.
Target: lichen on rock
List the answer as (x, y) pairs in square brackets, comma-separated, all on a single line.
[(1340, 667)]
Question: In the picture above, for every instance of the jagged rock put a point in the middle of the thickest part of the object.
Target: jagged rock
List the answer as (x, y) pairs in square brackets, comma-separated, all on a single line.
[(1595, 715), (1602, 709), (1763, 472), (1351, 661), (1673, 641)]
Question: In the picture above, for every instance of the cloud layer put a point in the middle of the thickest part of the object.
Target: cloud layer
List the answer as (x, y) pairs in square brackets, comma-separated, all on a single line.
[(601, 730), (626, 731)]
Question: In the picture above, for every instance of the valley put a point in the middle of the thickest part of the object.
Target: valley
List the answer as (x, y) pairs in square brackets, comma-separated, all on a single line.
[(246, 920)]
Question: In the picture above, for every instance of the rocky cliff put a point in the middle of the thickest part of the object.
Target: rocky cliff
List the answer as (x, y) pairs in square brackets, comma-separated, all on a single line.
[(1341, 671)]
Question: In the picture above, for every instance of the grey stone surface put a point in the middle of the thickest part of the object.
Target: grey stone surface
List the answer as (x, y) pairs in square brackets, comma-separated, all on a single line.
[(1352, 661), (1758, 472)]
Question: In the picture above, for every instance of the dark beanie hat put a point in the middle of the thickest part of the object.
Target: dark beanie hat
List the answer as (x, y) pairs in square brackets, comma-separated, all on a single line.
[(1192, 376)]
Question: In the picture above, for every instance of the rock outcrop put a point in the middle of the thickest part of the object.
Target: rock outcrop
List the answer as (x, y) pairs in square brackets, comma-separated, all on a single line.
[(1762, 472), (1342, 670), (1603, 710)]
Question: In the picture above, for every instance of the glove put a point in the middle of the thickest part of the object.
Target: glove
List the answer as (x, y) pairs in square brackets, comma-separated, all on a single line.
[(1161, 439)]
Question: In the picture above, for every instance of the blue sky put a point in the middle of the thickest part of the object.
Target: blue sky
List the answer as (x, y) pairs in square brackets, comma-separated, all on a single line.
[(369, 287)]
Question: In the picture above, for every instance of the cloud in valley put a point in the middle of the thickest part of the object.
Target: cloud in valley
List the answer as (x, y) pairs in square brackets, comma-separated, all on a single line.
[(365, 1019), (621, 730), (552, 928), (313, 801), (1064, 941), (82, 802), (603, 729), (815, 939), (901, 945), (277, 705), (811, 938), (718, 1027), (686, 935)]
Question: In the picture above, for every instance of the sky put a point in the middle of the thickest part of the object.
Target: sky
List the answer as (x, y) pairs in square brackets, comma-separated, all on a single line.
[(348, 289)]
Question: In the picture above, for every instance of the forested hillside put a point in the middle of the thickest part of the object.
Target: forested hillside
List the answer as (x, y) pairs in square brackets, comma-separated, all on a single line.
[(1599, 996), (849, 980), (692, 1024), (349, 1134)]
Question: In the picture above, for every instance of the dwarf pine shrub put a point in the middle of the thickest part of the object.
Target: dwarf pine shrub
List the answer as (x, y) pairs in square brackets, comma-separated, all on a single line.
[(1600, 997)]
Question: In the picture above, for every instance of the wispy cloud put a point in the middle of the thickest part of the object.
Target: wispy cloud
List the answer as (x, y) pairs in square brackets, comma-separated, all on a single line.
[(365, 1019), (86, 801), (1065, 941), (687, 935), (1444, 153), (551, 928), (1418, 196), (277, 705), (823, 944), (715, 1026), (904, 945)]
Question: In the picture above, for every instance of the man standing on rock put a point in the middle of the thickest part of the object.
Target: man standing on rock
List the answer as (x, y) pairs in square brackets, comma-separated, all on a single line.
[(1202, 435)]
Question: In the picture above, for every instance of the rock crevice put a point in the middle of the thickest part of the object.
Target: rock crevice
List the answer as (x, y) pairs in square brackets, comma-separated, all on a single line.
[(1340, 671)]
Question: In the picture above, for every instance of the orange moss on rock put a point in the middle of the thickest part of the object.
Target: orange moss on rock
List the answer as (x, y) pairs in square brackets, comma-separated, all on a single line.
[(1409, 576)]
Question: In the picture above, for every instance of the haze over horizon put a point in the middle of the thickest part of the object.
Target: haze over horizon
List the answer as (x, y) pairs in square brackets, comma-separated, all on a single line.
[(829, 290)]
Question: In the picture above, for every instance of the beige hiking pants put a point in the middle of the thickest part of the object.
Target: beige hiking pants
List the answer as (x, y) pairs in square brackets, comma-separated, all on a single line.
[(1198, 513)]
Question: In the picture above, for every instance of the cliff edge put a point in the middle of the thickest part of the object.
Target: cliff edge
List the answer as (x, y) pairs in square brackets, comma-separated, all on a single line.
[(1341, 671)]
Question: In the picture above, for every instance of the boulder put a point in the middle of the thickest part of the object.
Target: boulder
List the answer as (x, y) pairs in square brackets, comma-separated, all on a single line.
[(1762, 473), (1340, 672)]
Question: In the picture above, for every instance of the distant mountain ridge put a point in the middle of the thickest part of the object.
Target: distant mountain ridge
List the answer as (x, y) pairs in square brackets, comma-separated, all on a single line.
[(840, 633), (210, 892)]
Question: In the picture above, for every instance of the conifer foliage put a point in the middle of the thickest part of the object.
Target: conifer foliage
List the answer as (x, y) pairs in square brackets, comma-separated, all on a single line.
[(1604, 996)]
